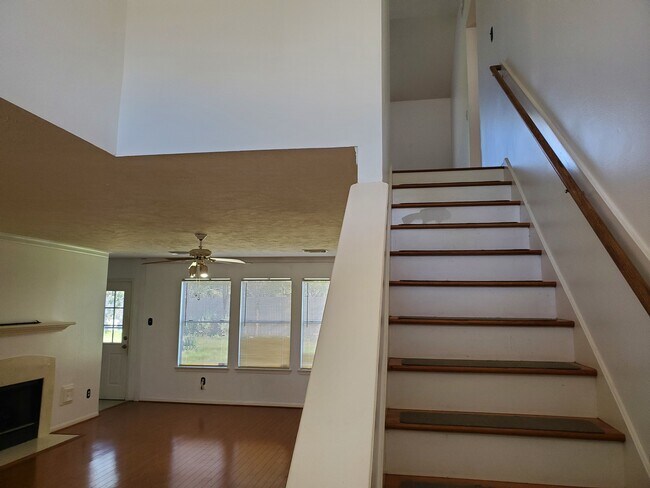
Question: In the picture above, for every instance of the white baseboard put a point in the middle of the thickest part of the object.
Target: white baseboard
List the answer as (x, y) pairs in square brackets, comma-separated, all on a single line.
[(69, 423), (216, 402)]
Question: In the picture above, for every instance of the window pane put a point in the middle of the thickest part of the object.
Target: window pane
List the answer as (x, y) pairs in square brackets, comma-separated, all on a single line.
[(205, 319), (265, 328), (108, 316), (314, 295), (110, 299), (119, 299)]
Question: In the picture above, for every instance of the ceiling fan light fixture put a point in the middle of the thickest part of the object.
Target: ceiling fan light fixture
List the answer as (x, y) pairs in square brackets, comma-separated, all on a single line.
[(202, 270), (192, 270)]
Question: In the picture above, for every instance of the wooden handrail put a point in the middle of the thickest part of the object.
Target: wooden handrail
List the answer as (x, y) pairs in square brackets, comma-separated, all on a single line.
[(621, 259)]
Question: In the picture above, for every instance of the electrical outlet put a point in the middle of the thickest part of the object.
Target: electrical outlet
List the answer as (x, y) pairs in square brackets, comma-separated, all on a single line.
[(88, 393), (67, 394)]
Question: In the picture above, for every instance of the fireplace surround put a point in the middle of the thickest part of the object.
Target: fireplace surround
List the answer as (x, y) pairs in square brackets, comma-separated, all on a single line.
[(22, 369)]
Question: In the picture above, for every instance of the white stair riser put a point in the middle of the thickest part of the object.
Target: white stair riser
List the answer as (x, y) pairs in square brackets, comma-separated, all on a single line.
[(500, 393), (509, 302), (517, 267), (506, 458), (436, 239), (496, 174), (456, 215), (452, 194), (466, 342)]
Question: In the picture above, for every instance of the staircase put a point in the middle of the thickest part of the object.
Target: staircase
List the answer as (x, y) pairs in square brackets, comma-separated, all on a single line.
[(482, 382)]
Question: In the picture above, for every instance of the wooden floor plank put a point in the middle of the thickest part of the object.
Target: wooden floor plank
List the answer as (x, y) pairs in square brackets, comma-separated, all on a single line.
[(167, 444)]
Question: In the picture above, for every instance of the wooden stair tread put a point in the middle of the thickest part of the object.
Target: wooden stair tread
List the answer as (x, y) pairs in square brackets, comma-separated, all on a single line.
[(478, 283), (433, 170), (479, 321), (453, 184), (464, 225), (556, 368), (405, 481), (469, 252), (471, 203), (502, 424)]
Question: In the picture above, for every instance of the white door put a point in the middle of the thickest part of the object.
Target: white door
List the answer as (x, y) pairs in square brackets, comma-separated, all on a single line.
[(115, 339)]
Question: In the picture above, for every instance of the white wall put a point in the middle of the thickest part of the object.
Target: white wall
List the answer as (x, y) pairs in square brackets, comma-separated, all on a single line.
[(459, 96), (224, 75), (578, 60), (153, 350), (63, 62), (46, 282), (421, 57), (584, 62), (420, 134)]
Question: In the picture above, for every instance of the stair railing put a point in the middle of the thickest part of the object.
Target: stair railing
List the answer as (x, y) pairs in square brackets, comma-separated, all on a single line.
[(625, 265)]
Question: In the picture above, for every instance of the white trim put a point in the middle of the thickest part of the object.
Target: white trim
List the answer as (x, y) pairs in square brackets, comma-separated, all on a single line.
[(78, 420), (599, 358), (618, 214), (223, 369), (215, 402), (31, 241), (264, 370)]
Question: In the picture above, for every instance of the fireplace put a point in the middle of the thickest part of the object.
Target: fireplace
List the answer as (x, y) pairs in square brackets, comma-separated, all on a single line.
[(20, 411)]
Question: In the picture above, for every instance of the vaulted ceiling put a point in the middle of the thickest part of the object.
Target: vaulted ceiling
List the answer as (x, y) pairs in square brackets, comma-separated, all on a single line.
[(57, 187)]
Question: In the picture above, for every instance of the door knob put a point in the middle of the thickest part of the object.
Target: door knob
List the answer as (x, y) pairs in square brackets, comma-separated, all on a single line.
[(124, 346)]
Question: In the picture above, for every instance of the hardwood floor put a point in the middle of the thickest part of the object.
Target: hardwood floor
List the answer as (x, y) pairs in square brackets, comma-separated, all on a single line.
[(168, 445)]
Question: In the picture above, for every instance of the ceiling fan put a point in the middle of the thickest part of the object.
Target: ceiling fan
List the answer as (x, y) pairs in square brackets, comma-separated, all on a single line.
[(200, 257)]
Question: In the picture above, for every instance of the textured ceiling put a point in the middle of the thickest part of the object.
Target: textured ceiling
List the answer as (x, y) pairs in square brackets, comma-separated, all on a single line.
[(57, 187)]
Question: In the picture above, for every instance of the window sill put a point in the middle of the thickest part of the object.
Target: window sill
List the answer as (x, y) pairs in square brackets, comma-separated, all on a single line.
[(201, 368), (304, 371), (264, 370)]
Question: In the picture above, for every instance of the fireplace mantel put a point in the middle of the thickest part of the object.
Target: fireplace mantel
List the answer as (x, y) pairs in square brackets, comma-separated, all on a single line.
[(51, 326)]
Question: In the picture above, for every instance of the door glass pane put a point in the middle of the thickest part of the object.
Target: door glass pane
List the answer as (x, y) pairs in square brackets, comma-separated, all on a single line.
[(314, 295), (205, 323), (109, 313), (118, 316), (108, 334), (113, 316), (265, 327)]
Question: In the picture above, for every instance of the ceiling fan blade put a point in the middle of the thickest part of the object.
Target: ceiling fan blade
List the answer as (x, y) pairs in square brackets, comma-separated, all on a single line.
[(227, 260), (171, 260)]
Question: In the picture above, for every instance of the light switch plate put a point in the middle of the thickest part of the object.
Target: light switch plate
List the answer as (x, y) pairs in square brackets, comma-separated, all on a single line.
[(67, 394)]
